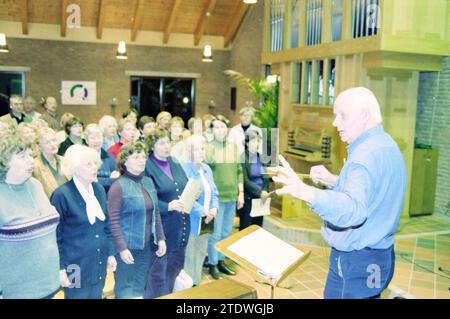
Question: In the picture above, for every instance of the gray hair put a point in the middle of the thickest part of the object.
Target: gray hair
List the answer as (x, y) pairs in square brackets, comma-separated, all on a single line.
[(247, 109), (105, 120), (91, 128)]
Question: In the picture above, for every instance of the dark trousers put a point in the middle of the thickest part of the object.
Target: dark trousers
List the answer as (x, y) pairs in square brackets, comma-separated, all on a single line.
[(359, 274), (130, 280), (163, 272), (90, 292)]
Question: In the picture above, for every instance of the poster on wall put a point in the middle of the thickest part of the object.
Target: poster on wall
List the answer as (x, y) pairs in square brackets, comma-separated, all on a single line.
[(78, 93)]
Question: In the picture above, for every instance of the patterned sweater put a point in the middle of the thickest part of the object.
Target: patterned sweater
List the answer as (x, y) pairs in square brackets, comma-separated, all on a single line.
[(29, 258)]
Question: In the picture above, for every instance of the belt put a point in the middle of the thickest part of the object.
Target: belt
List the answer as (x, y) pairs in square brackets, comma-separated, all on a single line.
[(341, 229)]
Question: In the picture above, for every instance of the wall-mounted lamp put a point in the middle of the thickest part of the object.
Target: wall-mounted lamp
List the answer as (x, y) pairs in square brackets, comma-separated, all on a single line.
[(207, 50), (3, 44), (121, 51), (113, 102), (250, 1), (207, 54), (212, 104)]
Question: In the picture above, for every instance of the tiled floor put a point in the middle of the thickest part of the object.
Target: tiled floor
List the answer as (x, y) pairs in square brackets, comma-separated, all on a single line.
[(408, 226), (416, 274), (422, 246)]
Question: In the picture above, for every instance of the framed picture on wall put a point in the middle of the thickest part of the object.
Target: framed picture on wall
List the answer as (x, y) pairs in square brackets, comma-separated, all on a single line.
[(78, 93)]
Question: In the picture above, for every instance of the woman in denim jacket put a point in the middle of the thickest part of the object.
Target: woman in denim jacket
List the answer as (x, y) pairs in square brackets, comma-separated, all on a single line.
[(135, 222)]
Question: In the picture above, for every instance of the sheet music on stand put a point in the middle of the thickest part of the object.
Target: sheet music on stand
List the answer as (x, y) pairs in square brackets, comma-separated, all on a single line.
[(261, 252)]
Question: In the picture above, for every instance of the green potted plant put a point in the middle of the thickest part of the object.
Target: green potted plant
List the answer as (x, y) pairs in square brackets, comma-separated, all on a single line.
[(266, 90)]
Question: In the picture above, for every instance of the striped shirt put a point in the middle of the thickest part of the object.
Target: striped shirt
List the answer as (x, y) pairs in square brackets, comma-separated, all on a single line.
[(29, 257)]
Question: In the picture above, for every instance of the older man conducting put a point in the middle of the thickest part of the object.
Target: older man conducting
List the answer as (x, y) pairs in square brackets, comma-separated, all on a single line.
[(362, 206)]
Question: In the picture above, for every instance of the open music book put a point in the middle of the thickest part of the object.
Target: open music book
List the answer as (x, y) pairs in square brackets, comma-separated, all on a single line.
[(265, 254)]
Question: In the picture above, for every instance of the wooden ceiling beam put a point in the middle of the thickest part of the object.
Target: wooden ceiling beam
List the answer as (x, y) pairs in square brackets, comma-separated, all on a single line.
[(200, 29), (136, 18), (63, 17), (24, 11), (235, 23), (171, 21), (101, 18)]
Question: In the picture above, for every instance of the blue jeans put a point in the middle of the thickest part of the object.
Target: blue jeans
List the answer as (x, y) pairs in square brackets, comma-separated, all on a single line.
[(130, 280), (359, 274), (163, 272), (223, 224), (92, 292)]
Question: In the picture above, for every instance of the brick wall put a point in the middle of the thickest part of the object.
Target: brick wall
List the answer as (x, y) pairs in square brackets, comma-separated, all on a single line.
[(246, 55), (433, 126), (54, 61)]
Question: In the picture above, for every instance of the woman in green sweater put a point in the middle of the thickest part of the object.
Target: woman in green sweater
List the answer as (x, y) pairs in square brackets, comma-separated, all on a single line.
[(222, 156), (29, 258)]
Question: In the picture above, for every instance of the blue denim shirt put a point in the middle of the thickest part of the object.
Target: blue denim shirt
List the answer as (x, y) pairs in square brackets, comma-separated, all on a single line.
[(370, 191), (198, 211), (133, 214)]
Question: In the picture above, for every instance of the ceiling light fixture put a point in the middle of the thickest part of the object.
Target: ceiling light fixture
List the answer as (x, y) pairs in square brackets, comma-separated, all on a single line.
[(121, 51), (207, 50), (3, 44)]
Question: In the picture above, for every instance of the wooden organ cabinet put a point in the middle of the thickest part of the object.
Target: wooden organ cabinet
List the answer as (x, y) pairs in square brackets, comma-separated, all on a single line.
[(320, 48)]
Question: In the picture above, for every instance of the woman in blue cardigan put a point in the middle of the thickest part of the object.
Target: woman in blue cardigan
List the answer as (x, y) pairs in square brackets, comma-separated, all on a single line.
[(83, 234), (204, 210), (170, 180)]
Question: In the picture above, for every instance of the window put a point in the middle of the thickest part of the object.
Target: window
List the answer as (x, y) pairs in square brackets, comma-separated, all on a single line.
[(331, 77), (336, 20), (321, 86), (313, 22), (11, 83), (365, 18), (309, 78), (295, 11), (296, 82), (153, 95), (276, 24)]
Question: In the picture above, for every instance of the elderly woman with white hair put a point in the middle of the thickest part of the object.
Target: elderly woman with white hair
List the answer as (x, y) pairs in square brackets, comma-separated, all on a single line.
[(29, 259), (108, 172), (84, 237), (204, 210), (108, 125)]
